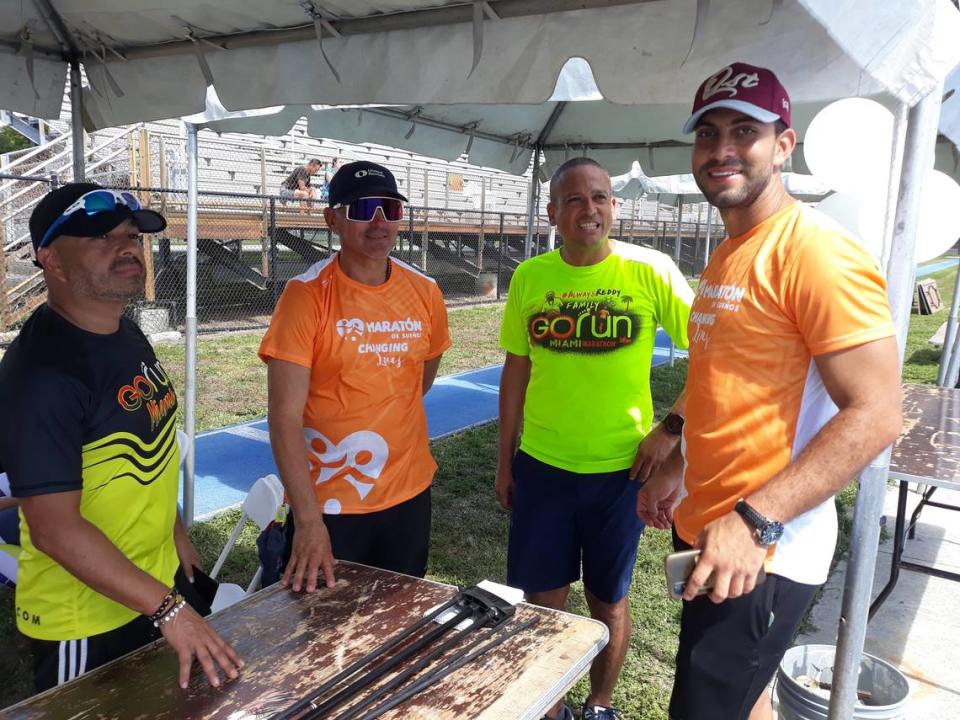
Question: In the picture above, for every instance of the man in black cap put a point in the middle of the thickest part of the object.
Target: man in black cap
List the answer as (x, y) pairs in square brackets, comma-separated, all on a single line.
[(353, 346), (88, 440)]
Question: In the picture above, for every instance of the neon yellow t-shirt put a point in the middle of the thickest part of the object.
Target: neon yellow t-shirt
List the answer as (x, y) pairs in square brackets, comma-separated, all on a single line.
[(590, 333)]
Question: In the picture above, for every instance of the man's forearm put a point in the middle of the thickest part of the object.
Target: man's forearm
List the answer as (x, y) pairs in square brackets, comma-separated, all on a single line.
[(290, 453), (87, 554), (513, 390)]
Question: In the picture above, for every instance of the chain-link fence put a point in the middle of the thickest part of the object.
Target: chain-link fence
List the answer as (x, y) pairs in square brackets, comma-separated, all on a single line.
[(467, 230)]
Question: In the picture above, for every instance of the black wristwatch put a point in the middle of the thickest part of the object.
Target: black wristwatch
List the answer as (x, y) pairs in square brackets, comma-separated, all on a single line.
[(673, 423), (767, 531)]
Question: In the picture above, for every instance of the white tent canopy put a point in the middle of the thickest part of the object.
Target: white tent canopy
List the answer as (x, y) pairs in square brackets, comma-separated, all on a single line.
[(504, 136), (149, 60)]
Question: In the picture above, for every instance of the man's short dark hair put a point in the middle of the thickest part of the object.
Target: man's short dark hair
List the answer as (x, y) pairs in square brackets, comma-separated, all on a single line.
[(315, 161), (779, 126), (569, 165)]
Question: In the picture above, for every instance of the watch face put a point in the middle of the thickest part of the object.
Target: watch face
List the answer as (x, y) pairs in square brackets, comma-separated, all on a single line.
[(771, 533), (673, 423)]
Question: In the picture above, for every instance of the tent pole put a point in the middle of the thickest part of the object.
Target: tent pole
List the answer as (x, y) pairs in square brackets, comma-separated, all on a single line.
[(190, 382), (706, 258), (947, 377), (532, 205), (919, 144), (676, 259), (76, 122)]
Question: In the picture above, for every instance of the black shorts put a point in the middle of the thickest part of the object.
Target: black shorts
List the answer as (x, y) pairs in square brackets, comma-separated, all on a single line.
[(396, 539), (58, 661), (729, 651)]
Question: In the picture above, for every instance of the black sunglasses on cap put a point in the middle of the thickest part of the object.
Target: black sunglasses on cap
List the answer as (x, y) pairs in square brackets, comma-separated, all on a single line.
[(363, 209)]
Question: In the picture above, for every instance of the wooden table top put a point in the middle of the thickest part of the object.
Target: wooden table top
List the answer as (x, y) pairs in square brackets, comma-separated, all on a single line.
[(928, 450), (292, 642)]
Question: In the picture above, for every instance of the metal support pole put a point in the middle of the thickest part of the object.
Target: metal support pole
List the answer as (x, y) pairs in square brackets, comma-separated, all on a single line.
[(265, 242), (918, 152), (190, 379), (532, 205), (425, 235), (676, 259), (950, 359), (503, 248), (706, 258), (656, 224), (481, 237), (76, 122), (275, 252)]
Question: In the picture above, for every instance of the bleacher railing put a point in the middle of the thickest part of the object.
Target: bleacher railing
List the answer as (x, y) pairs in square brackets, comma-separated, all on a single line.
[(251, 244)]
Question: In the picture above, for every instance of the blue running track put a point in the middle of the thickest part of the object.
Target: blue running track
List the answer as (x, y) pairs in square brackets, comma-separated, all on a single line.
[(230, 459), (934, 267)]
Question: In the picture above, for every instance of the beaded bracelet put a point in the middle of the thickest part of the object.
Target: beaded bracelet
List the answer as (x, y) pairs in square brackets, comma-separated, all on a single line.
[(171, 613), (165, 604)]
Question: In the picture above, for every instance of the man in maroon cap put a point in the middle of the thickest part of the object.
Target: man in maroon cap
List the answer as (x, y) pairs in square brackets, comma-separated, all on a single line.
[(88, 440), (793, 387)]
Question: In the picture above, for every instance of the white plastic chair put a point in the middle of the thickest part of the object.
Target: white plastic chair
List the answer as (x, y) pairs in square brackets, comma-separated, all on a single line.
[(9, 554), (260, 505)]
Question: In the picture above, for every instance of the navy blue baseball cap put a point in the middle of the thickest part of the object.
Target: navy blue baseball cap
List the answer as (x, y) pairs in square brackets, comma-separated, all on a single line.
[(362, 179), (88, 210)]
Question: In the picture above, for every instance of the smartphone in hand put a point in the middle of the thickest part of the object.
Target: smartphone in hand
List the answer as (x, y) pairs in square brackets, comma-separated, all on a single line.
[(677, 567)]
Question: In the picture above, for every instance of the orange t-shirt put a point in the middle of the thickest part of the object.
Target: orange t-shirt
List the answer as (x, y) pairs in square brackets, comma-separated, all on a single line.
[(793, 287), (364, 422)]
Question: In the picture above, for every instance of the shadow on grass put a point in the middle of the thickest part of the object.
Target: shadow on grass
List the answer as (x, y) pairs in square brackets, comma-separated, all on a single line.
[(925, 356)]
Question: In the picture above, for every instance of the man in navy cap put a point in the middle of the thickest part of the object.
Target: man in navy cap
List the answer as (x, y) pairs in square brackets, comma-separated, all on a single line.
[(88, 440), (354, 344)]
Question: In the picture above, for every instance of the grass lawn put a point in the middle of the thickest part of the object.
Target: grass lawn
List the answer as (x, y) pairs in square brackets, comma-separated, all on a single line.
[(469, 527), (232, 381), (921, 359)]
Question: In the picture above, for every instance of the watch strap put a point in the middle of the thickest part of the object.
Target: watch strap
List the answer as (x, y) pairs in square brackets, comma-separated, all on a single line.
[(751, 515)]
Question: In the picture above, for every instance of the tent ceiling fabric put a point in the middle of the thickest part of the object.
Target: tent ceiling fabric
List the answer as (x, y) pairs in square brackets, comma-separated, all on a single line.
[(650, 134), (821, 48)]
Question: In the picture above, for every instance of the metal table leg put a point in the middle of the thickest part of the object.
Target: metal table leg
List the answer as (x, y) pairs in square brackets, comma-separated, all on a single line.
[(898, 541)]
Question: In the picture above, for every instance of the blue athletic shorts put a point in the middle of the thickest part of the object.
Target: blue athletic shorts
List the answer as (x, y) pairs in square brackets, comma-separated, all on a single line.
[(560, 518)]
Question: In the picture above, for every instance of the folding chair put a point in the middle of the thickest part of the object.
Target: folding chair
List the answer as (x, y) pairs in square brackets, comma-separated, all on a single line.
[(260, 505), (9, 553)]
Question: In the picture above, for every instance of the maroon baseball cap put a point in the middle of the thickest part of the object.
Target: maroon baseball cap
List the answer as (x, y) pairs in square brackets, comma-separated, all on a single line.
[(752, 90)]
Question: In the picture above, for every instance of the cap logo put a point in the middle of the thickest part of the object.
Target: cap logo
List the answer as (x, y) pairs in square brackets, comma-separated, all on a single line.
[(370, 171), (726, 82)]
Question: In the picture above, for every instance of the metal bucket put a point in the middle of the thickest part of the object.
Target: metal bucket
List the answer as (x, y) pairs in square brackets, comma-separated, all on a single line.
[(882, 690)]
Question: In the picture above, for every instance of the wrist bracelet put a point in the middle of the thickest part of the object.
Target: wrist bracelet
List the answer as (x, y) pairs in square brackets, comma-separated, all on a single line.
[(171, 613), (168, 601)]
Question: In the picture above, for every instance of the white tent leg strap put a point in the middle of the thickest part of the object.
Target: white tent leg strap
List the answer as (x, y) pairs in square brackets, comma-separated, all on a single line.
[(775, 5), (320, 23), (26, 49), (703, 9), (481, 8)]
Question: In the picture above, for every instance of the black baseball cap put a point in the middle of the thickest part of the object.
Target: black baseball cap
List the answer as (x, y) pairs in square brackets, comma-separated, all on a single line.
[(362, 179), (88, 223)]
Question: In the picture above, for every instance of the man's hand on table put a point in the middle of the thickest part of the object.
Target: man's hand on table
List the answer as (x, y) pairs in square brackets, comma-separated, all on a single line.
[(311, 552), (192, 637), (729, 550)]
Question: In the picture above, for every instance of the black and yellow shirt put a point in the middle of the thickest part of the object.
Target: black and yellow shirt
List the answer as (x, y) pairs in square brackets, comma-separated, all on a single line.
[(90, 413)]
